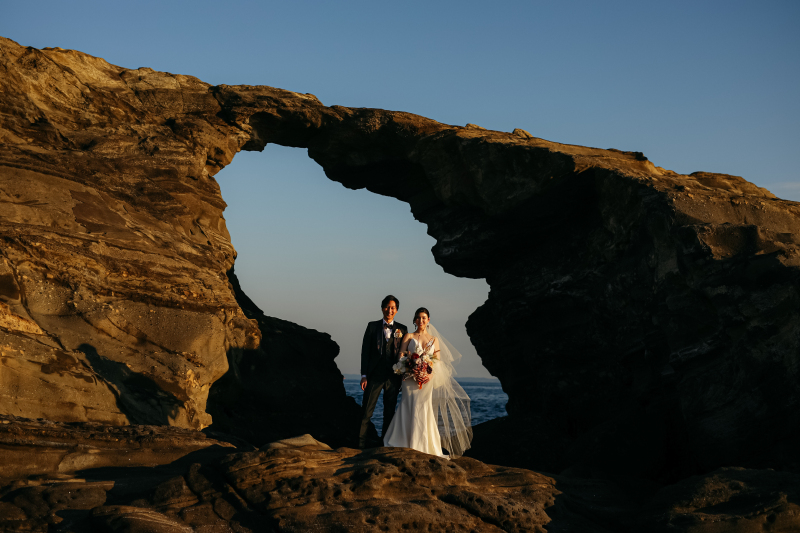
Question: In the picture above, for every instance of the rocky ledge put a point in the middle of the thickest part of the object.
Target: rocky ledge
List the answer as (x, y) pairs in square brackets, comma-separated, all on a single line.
[(166, 479)]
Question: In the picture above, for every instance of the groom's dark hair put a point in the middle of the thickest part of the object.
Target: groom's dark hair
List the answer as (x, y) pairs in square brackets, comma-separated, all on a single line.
[(388, 299)]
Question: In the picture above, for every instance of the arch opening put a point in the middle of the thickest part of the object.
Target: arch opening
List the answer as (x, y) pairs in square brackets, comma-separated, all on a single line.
[(319, 255)]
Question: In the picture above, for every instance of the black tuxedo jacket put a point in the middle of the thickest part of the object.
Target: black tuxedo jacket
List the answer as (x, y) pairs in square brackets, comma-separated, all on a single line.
[(378, 354)]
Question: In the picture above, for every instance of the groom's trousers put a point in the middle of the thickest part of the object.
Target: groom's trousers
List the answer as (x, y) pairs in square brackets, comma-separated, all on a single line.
[(390, 385)]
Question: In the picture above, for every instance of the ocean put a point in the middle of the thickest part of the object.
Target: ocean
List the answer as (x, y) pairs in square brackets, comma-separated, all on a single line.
[(488, 400)]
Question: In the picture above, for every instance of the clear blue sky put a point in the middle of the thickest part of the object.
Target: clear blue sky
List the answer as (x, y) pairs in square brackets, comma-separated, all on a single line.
[(694, 85)]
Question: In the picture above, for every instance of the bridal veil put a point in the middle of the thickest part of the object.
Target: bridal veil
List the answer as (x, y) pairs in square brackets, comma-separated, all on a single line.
[(450, 402)]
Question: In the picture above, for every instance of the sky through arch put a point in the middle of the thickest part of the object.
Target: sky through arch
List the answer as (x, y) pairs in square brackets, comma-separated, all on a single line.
[(323, 256)]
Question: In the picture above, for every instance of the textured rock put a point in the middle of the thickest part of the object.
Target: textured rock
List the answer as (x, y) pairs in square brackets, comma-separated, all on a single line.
[(30, 448), (730, 499), (115, 303), (648, 319), (125, 479), (296, 484), (115, 298), (43, 466)]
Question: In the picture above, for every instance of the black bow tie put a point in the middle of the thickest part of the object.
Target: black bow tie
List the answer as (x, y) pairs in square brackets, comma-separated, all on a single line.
[(387, 326)]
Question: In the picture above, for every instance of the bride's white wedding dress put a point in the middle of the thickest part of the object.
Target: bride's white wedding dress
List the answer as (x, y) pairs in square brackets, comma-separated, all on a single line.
[(415, 423)]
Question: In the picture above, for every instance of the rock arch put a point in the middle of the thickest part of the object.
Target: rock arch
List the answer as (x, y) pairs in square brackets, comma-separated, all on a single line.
[(640, 317)]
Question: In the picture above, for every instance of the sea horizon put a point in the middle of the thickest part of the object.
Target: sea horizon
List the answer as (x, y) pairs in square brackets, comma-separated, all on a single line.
[(458, 378), (487, 398)]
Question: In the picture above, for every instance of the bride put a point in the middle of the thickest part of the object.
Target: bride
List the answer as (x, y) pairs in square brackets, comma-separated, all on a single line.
[(434, 410)]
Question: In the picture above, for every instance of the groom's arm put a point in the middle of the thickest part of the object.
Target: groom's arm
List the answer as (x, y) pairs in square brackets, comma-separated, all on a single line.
[(364, 357)]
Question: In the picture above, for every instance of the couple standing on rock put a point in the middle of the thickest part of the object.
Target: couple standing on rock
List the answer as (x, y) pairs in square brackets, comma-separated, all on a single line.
[(434, 413)]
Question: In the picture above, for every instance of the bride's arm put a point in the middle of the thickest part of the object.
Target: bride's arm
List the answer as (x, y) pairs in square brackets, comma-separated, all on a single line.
[(435, 348), (404, 346)]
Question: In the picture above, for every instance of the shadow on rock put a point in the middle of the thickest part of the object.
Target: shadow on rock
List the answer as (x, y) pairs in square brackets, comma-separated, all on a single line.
[(289, 385), (138, 397)]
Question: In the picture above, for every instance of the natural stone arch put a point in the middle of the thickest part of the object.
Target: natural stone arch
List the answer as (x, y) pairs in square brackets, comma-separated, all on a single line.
[(624, 294)]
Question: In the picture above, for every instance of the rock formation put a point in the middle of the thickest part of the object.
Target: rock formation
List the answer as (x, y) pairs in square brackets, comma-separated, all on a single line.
[(136, 479), (292, 402), (643, 323), (115, 299), (648, 320), (116, 305)]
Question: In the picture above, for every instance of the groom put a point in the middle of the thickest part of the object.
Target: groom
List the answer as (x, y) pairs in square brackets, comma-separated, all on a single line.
[(379, 351)]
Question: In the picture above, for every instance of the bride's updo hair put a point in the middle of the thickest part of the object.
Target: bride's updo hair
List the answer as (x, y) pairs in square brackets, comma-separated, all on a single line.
[(422, 310)]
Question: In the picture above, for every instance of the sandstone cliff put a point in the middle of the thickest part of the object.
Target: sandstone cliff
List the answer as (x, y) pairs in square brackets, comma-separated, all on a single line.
[(645, 319)]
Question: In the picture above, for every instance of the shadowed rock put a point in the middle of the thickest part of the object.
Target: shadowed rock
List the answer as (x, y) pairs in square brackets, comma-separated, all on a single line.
[(646, 318), (268, 394), (301, 484)]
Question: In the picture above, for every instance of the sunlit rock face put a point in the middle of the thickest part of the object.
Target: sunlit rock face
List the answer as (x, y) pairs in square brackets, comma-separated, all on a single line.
[(115, 302), (649, 321)]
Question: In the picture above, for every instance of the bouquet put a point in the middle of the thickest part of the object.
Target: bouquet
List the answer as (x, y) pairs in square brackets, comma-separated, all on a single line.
[(417, 365)]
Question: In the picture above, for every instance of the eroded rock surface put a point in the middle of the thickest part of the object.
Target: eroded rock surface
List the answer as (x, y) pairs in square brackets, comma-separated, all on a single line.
[(121, 479), (125, 479), (31, 448), (115, 302)]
